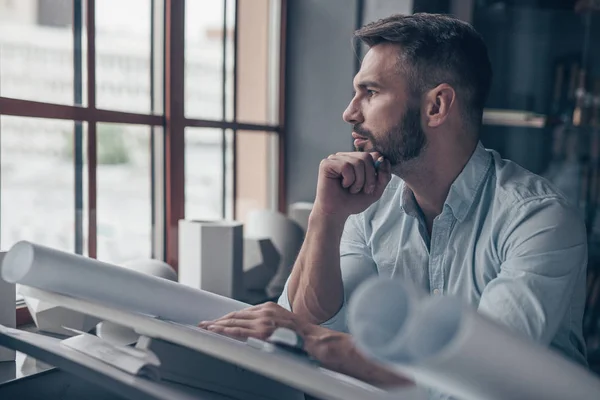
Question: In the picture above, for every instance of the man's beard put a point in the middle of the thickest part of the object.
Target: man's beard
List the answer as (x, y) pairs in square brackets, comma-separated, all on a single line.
[(402, 143)]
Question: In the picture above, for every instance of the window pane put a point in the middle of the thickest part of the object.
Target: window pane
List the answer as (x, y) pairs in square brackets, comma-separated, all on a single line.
[(37, 186), (203, 173), (256, 178), (36, 50), (124, 214), (204, 58), (123, 55), (258, 61)]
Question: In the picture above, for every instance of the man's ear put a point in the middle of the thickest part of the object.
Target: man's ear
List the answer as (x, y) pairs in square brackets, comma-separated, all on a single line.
[(438, 103)]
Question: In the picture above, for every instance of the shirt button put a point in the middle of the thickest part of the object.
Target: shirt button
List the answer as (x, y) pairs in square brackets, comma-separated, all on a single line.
[(436, 291)]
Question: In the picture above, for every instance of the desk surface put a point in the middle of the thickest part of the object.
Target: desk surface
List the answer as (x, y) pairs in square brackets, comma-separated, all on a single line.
[(23, 366), (95, 371)]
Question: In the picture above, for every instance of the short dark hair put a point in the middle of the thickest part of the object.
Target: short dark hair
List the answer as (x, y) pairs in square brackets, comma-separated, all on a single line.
[(437, 49)]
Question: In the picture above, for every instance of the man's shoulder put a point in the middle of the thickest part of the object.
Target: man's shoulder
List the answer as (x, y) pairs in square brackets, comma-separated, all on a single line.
[(514, 185), (522, 199)]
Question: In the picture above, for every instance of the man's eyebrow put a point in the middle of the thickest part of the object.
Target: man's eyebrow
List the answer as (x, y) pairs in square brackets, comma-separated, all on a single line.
[(367, 83)]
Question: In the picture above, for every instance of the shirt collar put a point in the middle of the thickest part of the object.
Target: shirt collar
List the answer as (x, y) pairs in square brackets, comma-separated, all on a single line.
[(409, 203), (465, 187), (463, 190)]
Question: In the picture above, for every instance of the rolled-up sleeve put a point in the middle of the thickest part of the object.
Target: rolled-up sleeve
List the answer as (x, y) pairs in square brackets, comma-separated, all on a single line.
[(356, 265), (544, 253)]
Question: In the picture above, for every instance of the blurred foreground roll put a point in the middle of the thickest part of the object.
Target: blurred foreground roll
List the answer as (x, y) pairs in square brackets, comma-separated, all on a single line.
[(86, 278), (447, 346)]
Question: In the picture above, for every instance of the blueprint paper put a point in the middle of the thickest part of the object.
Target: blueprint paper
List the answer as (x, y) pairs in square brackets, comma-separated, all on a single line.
[(290, 369), (86, 278), (448, 346)]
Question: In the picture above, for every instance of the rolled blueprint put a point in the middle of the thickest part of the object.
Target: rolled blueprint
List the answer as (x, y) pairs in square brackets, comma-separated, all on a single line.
[(448, 346), (86, 278)]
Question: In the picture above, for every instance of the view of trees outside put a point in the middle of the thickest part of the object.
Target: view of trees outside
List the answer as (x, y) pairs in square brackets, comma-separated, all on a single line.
[(37, 168)]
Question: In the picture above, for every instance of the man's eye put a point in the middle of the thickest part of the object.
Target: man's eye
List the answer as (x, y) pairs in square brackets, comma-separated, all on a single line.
[(371, 92)]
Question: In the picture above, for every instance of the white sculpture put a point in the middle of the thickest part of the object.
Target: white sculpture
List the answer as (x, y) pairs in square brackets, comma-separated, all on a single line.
[(261, 259), (299, 213), (152, 267), (211, 256), (285, 234), (121, 335), (50, 318)]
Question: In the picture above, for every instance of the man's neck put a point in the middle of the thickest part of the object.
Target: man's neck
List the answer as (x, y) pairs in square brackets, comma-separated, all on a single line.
[(430, 182)]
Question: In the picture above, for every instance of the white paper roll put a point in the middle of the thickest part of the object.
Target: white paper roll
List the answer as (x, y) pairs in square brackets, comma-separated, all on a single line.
[(450, 347), (82, 277)]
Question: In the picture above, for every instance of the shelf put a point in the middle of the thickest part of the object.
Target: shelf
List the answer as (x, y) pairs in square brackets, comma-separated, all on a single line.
[(513, 118)]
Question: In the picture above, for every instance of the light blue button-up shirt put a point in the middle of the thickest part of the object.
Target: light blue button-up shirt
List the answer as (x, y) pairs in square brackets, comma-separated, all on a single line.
[(506, 242)]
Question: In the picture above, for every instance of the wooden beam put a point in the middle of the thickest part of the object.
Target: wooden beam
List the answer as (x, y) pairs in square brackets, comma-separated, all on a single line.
[(175, 125), (36, 109), (281, 184)]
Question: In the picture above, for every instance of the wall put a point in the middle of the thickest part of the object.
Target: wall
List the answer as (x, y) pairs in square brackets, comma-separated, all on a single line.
[(320, 68), (376, 9)]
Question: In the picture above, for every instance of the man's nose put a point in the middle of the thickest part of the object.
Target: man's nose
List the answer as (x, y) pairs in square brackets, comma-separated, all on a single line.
[(353, 114)]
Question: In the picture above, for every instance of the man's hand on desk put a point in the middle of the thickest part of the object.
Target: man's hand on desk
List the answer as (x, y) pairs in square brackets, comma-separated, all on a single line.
[(259, 322), (334, 350)]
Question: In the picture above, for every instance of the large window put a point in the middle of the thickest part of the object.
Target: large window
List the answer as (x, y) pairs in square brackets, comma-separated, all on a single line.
[(119, 118), (37, 181)]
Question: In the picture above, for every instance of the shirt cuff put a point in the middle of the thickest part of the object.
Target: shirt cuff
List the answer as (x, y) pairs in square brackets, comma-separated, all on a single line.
[(283, 300), (338, 321)]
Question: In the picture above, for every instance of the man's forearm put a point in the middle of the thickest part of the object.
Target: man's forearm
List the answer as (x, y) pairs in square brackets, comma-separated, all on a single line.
[(315, 288), (354, 364), (337, 352)]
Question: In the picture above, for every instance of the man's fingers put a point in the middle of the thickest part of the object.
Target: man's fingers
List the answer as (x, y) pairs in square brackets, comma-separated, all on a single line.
[(234, 332), (364, 171), (249, 313), (243, 331), (348, 175), (359, 175), (234, 322)]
